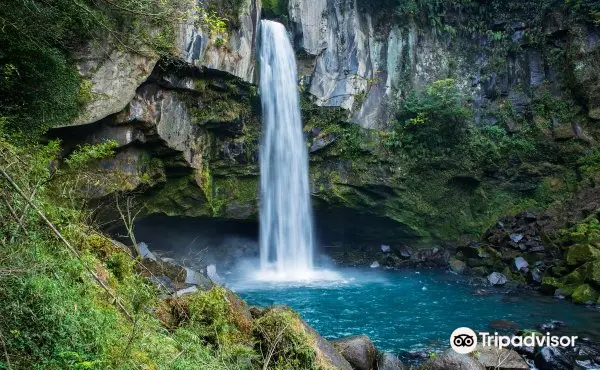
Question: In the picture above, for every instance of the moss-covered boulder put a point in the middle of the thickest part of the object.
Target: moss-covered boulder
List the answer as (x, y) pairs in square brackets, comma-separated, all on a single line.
[(550, 284), (584, 294), (581, 253)]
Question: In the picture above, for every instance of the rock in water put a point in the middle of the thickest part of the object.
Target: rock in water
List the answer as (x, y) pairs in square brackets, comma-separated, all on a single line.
[(387, 361), (359, 351), (496, 278), (457, 266), (553, 358), (499, 358), (450, 360), (375, 265)]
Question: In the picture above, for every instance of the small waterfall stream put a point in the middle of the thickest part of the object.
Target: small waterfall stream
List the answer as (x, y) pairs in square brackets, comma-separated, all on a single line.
[(286, 225)]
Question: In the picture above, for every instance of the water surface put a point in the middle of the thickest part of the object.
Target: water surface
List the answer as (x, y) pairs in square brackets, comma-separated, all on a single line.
[(411, 310)]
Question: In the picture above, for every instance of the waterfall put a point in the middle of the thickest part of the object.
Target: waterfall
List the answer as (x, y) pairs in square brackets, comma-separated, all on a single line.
[(286, 225)]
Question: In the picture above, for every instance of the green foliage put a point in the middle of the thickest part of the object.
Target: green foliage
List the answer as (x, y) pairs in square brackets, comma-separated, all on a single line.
[(281, 332), (586, 231), (40, 86), (275, 8), (84, 154), (433, 118), (220, 15), (56, 317)]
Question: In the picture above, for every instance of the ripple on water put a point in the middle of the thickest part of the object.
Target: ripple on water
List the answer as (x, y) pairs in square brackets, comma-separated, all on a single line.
[(398, 315)]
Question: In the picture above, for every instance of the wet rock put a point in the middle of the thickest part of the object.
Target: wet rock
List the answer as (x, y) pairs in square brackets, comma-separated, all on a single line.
[(387, 361), (521, 264), (375, 265), (516, 237), (551, 325), (145, 251), (457, 266), (385, 248), (554, 358), (450, 360), (359, 351), (406, 252), (496, 278), (499, 358), (536, 275)]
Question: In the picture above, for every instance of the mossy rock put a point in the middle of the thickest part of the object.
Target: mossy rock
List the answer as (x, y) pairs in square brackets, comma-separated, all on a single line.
[(581, 253), (593, 272), (550, 284), (584, 294), (577, 276)]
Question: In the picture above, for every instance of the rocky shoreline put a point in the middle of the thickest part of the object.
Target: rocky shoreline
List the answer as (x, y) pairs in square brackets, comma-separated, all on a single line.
[(359, 352)]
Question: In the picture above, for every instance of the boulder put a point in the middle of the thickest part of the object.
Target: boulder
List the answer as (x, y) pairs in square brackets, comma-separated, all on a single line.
[(457, 266), (385, 248), (554, 358), (326, 350), (375, 265), (387, 361), (358, 350), (584, 293), (499, 358), (450, 360), (112, 76), (581, 253), (521, 264), (496, 278)]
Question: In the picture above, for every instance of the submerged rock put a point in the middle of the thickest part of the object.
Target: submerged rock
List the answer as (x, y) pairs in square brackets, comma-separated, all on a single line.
[(359, 351), (496, 278), (450, 360)]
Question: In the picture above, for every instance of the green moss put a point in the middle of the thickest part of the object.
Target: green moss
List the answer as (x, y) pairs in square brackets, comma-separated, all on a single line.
[(275, 8), (294, 346), (580, 253), (178, 197), (584, 293)]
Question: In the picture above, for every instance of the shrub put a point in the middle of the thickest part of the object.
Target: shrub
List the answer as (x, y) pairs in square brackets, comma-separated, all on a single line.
[(435, 117)]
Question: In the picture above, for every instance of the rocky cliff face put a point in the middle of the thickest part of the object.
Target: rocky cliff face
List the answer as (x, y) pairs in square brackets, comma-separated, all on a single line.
[(193, 125), (350, 60)]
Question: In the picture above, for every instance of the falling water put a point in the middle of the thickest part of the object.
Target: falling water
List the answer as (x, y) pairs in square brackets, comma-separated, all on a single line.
[(286, 226)]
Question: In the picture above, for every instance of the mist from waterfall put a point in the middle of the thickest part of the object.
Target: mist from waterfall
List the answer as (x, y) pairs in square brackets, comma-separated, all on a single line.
[(286, 224)]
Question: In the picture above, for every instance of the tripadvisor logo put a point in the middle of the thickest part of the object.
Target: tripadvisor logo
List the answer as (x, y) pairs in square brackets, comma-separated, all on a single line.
[(464, 340)]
